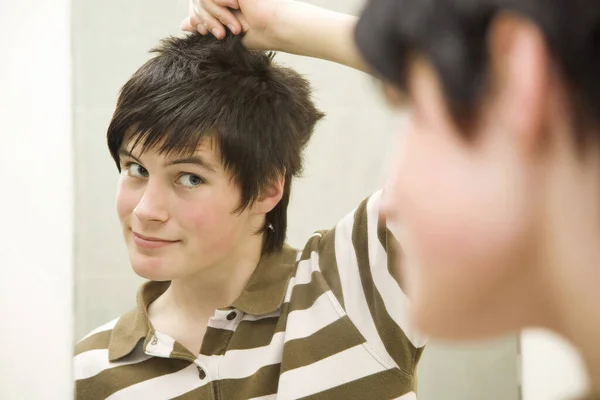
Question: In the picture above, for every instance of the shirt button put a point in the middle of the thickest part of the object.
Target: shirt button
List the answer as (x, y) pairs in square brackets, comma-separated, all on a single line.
[(201, 373), (231, 316)]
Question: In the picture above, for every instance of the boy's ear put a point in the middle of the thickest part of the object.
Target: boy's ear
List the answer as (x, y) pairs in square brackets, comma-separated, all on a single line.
[(520, 63), (270, 196)]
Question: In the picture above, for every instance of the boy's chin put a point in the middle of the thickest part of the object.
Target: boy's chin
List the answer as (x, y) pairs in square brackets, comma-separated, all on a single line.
[(150, 268)]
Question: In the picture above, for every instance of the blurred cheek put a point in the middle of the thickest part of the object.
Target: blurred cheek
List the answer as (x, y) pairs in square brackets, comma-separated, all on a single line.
[(449, 222)]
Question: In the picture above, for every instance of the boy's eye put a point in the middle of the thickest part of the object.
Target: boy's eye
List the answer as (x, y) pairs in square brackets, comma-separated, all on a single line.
[(190, 180), (136, 170)]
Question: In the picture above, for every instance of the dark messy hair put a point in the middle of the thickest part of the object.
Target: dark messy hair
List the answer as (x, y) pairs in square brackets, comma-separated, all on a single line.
[(451, 34), (259, 115)]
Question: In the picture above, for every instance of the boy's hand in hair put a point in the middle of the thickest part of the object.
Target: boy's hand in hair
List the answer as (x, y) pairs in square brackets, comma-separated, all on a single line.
[(289, 26), (256, 18)]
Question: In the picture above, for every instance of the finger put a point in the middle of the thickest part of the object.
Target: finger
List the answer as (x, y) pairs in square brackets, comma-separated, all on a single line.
[(204, 23), (194, 20), (228, 3), (224, 16), (243, 21), (192, 24), (186, 25), (202, 29), (211, 25)]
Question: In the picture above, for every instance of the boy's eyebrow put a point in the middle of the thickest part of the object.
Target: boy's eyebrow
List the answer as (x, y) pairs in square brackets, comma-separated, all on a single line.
[(193, 160), (187, 160), (125, 153)]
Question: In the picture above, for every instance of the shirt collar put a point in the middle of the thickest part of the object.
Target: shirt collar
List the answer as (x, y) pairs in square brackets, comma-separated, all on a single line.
[(264, 293)]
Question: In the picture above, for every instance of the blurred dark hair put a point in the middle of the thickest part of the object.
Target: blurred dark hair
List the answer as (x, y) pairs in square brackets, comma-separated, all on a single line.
[(259, 114), (451, 34)]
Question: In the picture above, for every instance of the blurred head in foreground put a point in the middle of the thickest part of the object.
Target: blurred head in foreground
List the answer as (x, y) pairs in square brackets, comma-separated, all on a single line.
[(496, 183)]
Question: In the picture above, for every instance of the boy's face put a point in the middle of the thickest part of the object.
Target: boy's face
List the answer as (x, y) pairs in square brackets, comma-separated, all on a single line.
[(178, 213), (465, 216)]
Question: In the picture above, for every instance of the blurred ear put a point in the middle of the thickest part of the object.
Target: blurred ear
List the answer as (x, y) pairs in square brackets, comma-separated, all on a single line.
[(519, 78), (270, 196)]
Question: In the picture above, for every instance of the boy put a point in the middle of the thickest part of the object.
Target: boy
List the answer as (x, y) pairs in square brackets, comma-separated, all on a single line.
[(208, 136), (497, 177)]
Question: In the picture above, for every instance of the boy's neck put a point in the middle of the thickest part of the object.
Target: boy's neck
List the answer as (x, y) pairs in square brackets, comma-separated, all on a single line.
[(587, 339), (580, 311), (587, 342), (197, 297), (593, 366)]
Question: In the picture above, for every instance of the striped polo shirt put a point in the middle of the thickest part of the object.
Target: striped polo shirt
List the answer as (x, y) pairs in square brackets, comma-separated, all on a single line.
[(327, 322)]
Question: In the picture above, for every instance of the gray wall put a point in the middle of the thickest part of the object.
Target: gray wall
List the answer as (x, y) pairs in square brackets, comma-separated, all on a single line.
[(346, 162)]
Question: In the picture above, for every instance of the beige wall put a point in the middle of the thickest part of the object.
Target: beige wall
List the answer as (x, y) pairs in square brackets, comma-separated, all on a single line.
[(36, 199), (346, 162)]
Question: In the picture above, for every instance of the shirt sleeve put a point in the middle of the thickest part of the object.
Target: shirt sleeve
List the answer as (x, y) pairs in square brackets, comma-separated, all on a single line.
[(357, 259)]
